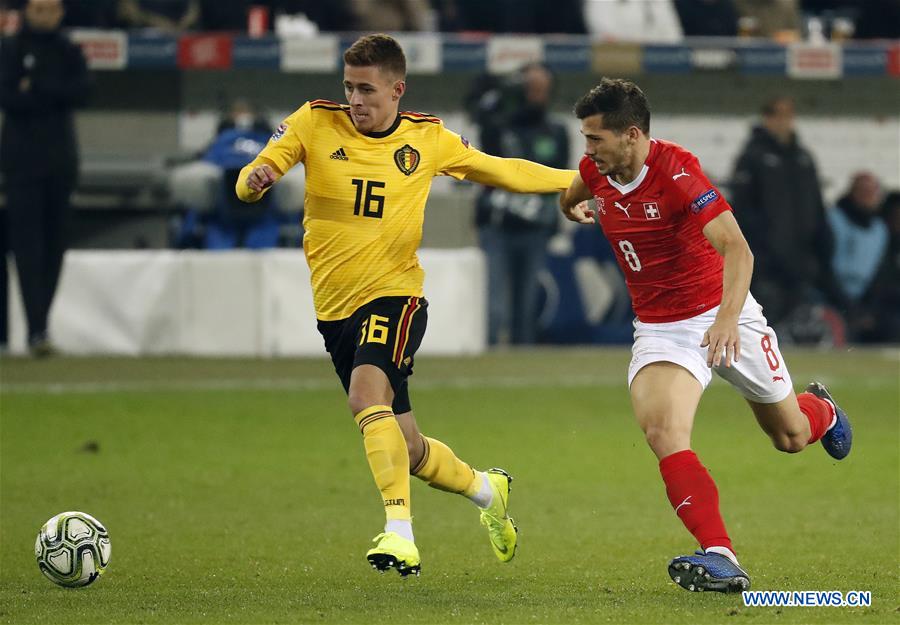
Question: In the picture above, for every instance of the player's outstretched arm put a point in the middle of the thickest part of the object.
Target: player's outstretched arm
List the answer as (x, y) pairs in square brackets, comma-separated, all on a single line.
[(517, 175), (255, 179), (574, 202)]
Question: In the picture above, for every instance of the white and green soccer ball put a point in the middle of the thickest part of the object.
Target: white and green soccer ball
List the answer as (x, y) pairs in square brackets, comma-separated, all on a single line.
[(72, 549)]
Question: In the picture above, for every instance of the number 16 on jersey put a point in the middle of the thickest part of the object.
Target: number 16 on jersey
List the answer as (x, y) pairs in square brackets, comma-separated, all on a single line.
[(373, 204)]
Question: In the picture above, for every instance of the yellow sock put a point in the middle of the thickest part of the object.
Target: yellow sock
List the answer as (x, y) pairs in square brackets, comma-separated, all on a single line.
[(388, 459), (441, 469)]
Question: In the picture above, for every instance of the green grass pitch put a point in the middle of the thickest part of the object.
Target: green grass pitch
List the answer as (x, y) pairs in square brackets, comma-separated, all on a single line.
[(236, 491)]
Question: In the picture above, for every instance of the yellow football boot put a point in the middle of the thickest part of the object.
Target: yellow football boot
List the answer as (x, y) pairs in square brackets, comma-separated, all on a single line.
[(501, 529), (392, 551)]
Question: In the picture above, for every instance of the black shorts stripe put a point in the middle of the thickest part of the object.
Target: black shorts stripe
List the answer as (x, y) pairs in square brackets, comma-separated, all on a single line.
[(403, 329)]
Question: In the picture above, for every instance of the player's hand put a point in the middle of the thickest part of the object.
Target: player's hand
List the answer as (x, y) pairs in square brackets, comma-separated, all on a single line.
[(581, 213), (722, 337), (261, 177)]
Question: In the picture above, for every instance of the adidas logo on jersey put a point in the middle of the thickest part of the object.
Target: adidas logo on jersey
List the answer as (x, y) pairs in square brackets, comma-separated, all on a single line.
[(340, 155)]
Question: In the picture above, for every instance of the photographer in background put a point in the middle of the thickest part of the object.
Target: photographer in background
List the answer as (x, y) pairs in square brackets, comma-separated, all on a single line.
[(514, 229)]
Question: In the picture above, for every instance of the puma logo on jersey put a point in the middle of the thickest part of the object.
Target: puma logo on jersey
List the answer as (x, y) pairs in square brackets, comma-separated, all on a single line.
[(683, 173), (339, 155), (686, 502), (777, 378), (624, 209)]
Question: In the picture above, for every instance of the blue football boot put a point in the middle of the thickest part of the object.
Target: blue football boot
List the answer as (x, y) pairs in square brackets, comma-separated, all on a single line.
[(708, 571), (837, 440)]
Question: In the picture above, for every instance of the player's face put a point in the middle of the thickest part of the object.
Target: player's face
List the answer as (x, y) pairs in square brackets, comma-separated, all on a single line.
[(373, 95), (611, 151)]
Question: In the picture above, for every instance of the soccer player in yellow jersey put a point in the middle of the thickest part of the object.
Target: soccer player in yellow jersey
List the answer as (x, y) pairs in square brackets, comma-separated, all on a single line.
[(368, 173)]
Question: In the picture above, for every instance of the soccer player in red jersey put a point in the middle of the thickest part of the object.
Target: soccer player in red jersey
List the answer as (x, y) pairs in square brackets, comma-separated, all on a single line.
[(688, 268)]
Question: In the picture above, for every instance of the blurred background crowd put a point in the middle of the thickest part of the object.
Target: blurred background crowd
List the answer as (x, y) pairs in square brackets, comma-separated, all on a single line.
[(147, 158), (782, 19)]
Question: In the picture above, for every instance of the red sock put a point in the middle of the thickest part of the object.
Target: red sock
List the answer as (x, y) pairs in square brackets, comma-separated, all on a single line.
[(819, 412), (694, 497)]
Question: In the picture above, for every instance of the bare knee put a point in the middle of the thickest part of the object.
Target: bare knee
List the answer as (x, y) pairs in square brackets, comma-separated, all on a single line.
[(358, 402), (665, 440), (360, 399), (665, 397), (788, 442), (369, 386)]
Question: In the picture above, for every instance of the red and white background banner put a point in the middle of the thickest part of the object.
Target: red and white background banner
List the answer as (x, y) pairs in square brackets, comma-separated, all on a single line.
[(103, 49), (816, 61), (204, 52)]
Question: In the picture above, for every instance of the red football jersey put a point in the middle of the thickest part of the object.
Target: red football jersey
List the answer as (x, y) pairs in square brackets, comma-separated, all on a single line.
[(655, 226)]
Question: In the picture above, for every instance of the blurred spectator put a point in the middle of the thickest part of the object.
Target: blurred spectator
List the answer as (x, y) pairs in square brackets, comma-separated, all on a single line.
[(878, 19), (242, 115), (226, 222), (328, 15), (217, 15), (165, 15), (90, 13), (860, 245), (392, 15), (778, 203), (883, 297), (773, 19), (860, 235), (511, 16), (4, 283), (514, 228), (872, 19), (633, 20), (707, 18), (43, 77)]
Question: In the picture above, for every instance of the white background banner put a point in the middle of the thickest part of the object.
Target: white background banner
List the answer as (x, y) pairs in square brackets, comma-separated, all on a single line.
[(237, 303), (310, 54)]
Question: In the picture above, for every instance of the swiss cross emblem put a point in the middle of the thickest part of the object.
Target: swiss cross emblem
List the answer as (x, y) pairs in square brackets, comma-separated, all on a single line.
[(651, 210)]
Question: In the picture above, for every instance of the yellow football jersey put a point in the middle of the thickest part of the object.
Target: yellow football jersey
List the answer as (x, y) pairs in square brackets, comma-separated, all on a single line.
[(365, 196)]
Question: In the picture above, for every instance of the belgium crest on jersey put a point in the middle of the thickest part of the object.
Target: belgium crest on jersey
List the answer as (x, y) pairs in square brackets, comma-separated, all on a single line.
[(407, 159)]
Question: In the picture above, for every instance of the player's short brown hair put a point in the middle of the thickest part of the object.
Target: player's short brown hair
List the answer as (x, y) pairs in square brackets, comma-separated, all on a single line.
[(621, 102), (379, 50)]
